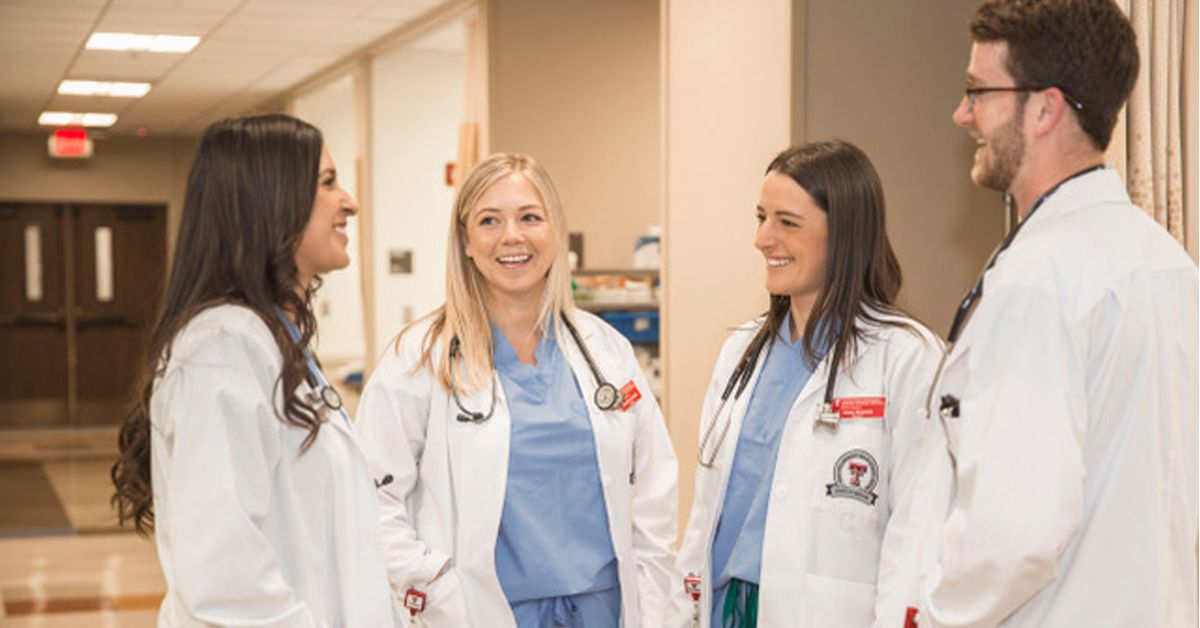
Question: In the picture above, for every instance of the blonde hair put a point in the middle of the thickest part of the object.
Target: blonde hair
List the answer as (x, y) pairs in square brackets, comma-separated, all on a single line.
[(464, 315)]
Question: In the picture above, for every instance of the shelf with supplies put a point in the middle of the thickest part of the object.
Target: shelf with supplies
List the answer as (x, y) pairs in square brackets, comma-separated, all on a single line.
[(616, 290), (627, 299), (617, 306)]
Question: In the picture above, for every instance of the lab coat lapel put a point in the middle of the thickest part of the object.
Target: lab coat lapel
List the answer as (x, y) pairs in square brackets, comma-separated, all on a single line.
[(814, 389), (585, 379), (479, 466), (737, 416)]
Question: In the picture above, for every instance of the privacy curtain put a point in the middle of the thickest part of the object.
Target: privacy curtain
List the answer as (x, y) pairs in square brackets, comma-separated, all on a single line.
[(1147, 145)]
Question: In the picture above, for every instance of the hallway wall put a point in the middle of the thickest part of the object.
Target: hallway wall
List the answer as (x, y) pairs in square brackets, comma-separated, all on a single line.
[(887, 76), (123, 169), (575, 83)]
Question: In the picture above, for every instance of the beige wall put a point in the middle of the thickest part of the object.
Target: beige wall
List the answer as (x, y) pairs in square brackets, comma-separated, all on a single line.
[(727, 112), (886, 76), (575, 83), (1191, 159), (122, 169)]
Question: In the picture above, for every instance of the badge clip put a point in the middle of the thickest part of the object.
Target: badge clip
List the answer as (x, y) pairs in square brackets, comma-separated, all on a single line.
[(949, 408), (691, 584), (827, 417), (414, 601)]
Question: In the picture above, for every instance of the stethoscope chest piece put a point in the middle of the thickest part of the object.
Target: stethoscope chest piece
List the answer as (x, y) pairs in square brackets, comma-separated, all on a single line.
[(607, 397), (326, 395)]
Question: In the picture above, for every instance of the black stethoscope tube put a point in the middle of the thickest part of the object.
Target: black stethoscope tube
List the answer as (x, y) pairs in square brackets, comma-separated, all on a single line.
[(606, 396), (949, 406), (969, 301), (740, 378)]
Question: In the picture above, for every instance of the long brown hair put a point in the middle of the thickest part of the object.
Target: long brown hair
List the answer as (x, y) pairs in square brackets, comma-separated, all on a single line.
[(249, 195), (862, 275)]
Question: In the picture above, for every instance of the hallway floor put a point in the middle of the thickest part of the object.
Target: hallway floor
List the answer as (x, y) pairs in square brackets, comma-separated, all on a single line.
[(64, 562)]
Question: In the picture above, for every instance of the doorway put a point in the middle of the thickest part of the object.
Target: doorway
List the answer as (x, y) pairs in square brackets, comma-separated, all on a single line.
[(80, 284)]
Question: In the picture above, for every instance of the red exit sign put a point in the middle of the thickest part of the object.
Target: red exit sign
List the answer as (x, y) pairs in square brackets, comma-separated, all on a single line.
[(70, 143)]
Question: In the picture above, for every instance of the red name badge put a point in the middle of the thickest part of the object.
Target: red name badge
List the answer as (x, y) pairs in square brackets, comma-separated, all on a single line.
[(860, 407), (629, 395), (910, 618)]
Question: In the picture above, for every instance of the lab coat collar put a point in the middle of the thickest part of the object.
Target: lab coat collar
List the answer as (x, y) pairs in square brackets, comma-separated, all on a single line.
[(1101, 186)]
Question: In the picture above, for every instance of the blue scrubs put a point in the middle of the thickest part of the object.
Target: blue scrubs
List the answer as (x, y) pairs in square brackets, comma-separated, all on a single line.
[(737, 548), (554, 554)]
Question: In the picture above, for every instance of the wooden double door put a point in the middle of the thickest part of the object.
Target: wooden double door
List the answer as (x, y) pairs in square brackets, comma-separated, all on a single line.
[(79, 285)]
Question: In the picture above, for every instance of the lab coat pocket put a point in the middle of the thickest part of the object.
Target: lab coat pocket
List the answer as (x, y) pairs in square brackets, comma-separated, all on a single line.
[(849, 507), (946, 404), (830, 602), (445, 606)]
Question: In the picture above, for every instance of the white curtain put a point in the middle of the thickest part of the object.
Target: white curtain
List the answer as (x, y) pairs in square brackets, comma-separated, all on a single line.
[(1147, 144)]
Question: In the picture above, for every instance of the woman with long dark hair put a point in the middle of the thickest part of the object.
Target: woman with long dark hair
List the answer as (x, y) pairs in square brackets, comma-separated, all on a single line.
[(809, 491), (237, 454)]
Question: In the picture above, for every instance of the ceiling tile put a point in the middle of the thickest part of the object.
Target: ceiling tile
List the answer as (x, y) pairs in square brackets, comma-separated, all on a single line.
[(112, 65), (251, 52), (198, 20)]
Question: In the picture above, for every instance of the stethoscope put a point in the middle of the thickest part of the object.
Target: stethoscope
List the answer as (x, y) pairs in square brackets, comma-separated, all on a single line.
[(826, 416), (320, 390), (606, 397), (948, 408)]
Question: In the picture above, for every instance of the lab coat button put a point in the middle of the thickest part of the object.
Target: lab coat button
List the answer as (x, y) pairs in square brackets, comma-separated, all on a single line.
[(781, 491), (605, 480)]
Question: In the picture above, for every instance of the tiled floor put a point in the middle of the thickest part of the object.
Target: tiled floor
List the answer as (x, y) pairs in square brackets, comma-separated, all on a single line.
[(66, 563), (83, 580), (88, 573)]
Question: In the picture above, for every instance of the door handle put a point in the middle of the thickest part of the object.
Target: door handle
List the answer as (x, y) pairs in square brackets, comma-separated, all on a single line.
[(101, 320), (33, 320)]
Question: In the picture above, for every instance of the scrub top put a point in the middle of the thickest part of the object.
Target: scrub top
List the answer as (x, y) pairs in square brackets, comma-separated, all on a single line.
[(737, 548), (554, 555)]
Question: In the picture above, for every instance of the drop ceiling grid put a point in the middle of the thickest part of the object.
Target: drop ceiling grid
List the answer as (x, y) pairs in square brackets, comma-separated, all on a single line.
[(251, 51)]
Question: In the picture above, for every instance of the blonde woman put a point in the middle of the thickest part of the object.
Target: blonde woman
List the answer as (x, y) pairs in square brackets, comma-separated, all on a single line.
[(525, 475)]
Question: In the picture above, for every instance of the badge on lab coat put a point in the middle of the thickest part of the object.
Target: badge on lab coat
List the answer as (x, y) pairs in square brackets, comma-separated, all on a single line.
[(855, 474)]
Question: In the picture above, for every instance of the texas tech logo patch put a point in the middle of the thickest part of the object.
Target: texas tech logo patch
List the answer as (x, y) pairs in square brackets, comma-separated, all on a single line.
[(855, 474)]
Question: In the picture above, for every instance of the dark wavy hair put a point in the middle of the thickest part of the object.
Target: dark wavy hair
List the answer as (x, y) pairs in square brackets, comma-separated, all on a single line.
[(249, 195), (1085, 48), (862, 275)]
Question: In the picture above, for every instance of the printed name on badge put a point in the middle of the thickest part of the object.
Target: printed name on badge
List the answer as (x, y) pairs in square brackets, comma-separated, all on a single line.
[(860, 407)]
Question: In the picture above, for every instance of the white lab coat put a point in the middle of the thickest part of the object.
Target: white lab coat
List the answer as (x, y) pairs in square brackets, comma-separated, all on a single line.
[(1077, 437), (250, 531), (831, 561), (442, 507)]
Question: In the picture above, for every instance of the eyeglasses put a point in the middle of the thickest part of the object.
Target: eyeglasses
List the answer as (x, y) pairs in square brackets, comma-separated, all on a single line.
[(974, 92)]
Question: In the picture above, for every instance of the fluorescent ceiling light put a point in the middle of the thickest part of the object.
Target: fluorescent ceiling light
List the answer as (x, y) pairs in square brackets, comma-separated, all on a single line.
[(67, 118), (103, 88), (142, 43)]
